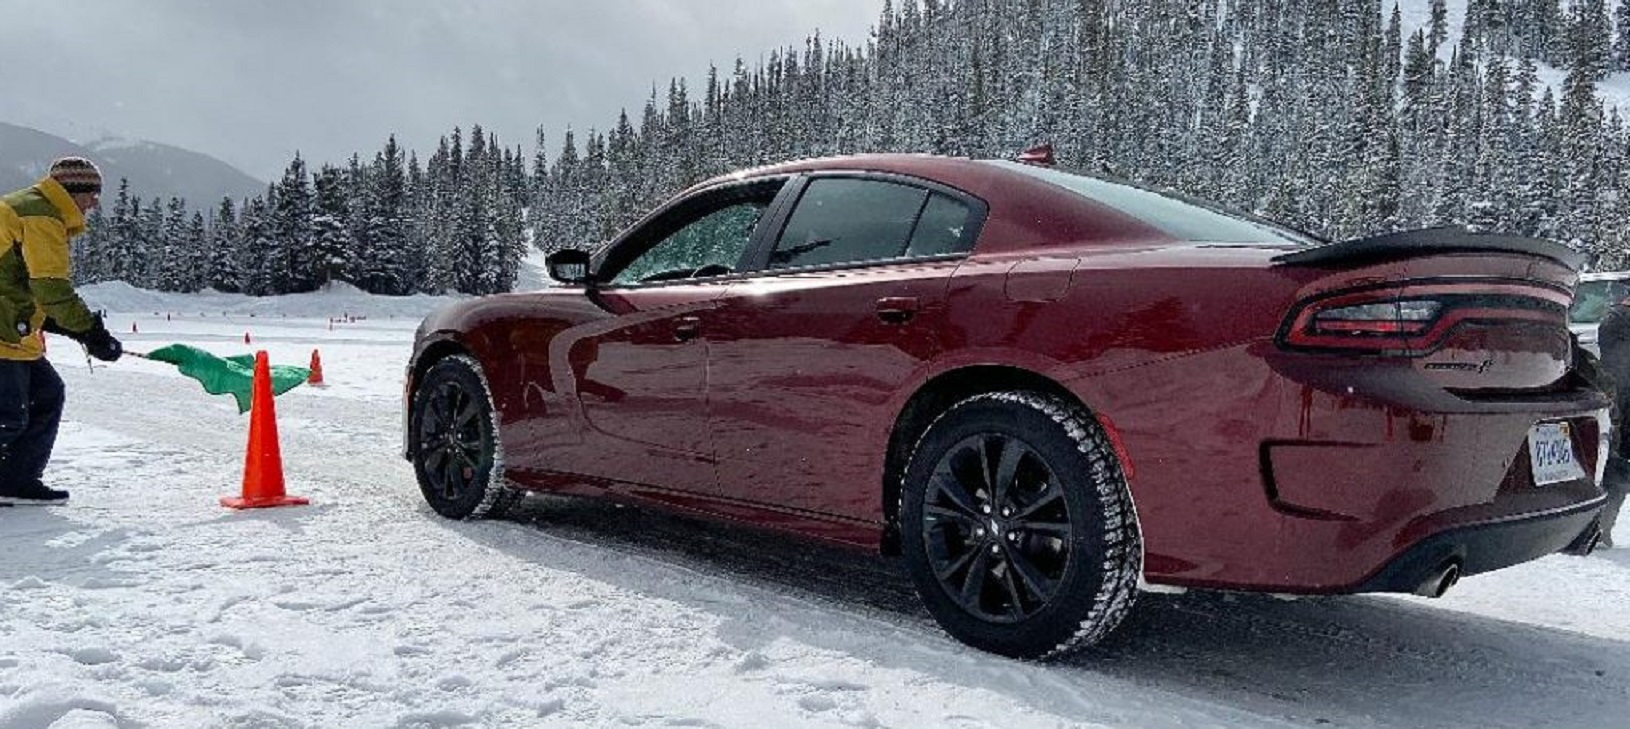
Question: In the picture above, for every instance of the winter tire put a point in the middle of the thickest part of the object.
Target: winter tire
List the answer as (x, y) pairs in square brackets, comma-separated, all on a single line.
[(456, 454), (1017, 526)]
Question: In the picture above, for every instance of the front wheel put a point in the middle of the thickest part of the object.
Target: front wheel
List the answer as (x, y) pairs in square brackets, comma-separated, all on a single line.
[(1017, 526), (456, 454)]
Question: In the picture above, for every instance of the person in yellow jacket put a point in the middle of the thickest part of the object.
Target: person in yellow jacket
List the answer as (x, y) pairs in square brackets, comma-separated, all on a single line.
[(36, 295)]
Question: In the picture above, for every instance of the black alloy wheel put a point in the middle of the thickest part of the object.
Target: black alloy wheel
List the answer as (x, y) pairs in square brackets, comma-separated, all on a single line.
[(456, 454), (995, 528), (1018, 527)]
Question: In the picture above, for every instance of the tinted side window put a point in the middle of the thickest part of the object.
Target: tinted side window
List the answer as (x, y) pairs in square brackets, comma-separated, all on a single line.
[(841, 220), (709, 246), (1181, 219), (943, 228)]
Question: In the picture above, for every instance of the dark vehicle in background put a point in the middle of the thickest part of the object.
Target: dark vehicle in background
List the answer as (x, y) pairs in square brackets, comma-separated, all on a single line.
[(1591, 299), (1040, 389)]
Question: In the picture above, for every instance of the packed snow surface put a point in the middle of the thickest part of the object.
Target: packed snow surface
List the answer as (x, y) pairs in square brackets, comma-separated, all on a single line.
[(143, 603)]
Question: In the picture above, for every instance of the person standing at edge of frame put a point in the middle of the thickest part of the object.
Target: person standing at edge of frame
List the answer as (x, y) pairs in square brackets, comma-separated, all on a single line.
[(36, 296), (1613, 338)]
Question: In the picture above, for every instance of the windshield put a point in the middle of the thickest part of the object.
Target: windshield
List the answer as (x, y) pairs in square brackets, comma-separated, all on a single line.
[(1591, 299), (1180, 217)]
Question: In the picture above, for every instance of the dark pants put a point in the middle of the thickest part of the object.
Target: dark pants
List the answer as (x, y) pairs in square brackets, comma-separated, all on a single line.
[(1615, 481), (31, 397)]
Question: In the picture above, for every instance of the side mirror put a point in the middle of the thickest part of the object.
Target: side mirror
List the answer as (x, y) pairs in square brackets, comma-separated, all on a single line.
[(570, 266)]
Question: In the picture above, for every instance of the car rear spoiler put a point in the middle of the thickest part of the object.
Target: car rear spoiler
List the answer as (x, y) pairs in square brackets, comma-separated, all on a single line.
[(1427, 241)]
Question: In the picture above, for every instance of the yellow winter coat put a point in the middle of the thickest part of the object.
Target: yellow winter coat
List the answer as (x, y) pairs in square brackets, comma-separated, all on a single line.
[(35, 225)]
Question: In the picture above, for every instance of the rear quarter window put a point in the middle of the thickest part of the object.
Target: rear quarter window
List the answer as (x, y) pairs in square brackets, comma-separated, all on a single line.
[(1175, 216)]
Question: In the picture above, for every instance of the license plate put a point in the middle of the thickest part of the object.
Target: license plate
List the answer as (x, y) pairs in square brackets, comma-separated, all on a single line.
[(1550, 453)]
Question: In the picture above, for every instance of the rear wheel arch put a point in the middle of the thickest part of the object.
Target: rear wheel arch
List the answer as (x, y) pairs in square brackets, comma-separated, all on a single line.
[(930, 401)]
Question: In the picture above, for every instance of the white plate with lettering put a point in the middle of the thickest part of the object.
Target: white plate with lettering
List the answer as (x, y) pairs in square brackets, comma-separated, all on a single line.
[(1550, 453)]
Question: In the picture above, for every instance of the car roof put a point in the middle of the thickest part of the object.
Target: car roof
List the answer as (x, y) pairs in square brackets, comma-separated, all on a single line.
[(949, 170)]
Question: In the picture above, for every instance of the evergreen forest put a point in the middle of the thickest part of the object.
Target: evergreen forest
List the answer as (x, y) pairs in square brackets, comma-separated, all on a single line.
[(1329, 115)]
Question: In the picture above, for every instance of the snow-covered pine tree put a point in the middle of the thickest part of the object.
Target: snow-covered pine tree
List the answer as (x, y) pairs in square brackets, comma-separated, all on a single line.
[(195, 239), (333, 250), (415, 209), (1621, 40), (1439, 25), (174, 265), (541, 215), (1589, 38), (471, 211), (436, 215), (260, 248), (90, 251), (597, 195), (224, 263), (122, 263), (1580, 123), (294, 260), (1493, 183), (385, 261), (149, 245)]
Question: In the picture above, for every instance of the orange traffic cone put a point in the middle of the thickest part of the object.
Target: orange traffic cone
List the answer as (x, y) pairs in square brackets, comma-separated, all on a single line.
[(316, 377), (263, 467)]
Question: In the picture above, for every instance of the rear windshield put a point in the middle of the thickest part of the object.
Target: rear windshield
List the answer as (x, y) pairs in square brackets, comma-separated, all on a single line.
[(1183, 219)]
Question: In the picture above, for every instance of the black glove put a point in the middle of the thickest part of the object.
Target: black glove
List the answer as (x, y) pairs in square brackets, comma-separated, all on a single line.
[(101, 344), (52, 327)]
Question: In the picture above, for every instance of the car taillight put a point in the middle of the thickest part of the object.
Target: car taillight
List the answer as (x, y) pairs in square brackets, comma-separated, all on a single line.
[(1395, 317), (1411, 318)]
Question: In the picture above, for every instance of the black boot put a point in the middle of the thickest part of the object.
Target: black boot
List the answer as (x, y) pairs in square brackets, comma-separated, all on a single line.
[(30, 492)]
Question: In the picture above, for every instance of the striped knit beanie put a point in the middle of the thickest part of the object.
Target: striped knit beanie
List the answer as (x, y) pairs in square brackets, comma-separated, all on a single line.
[(77, 175)]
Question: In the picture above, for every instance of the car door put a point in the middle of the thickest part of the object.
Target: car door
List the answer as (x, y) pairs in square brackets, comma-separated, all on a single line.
[(805, 355), (637, 371)]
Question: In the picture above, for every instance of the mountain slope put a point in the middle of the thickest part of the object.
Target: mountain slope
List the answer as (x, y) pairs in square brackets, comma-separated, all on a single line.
[(154, 170)]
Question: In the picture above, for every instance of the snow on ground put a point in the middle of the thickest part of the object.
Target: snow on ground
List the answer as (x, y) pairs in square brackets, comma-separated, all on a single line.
[(143, 603)]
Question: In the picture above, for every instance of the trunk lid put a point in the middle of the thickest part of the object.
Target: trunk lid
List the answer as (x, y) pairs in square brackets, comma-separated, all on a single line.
[(1475, 313)]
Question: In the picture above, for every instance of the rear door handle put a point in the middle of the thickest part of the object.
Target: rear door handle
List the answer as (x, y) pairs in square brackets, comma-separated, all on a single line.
[(896, 309), (687, 328)]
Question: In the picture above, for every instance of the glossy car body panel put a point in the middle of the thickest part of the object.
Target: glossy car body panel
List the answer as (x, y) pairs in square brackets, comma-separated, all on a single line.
[(771, 396), (859, 340)]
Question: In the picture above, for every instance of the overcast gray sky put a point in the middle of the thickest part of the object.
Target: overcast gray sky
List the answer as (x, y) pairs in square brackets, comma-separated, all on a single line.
[(251, 81)]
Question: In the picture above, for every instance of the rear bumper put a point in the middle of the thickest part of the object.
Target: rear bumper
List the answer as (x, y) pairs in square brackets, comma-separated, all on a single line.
[(1485, 547), (1335, 489)]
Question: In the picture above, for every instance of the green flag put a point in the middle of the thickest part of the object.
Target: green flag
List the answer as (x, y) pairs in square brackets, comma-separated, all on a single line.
[(228, 375)]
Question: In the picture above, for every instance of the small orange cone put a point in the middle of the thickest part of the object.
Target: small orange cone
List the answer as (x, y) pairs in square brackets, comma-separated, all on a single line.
[(263, 466), (316, 377)]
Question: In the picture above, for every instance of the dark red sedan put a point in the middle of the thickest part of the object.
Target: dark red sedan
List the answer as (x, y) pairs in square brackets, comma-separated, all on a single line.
[(1043, 390)]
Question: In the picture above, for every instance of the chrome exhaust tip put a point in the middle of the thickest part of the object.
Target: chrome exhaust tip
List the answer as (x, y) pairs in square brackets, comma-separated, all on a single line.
[(1440, 580)]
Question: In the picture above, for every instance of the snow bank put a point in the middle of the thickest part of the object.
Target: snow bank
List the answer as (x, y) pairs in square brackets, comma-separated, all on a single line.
[(339, 300)]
